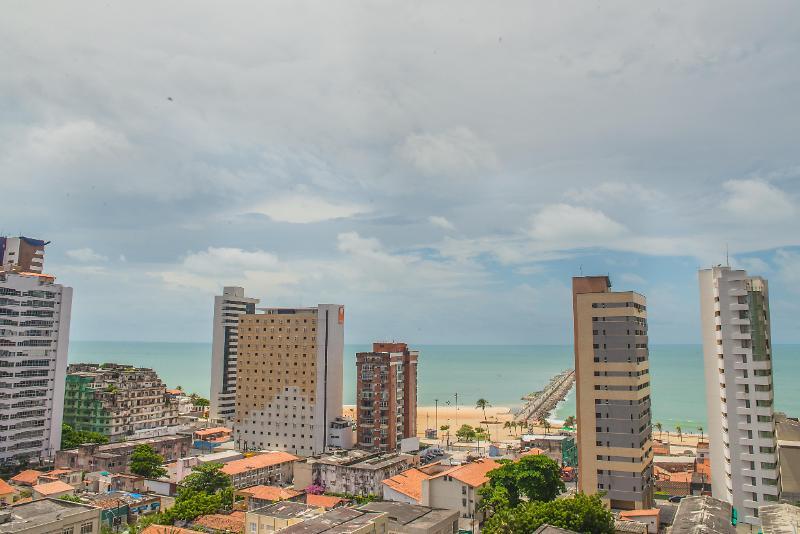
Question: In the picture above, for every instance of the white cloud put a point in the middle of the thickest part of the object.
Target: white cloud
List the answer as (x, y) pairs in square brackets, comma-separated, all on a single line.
[(788, 264), (441, 222), (457, 153), (85, 255), (757, 201), (223, 260), (753, 266), (301, 208), (573, 226)]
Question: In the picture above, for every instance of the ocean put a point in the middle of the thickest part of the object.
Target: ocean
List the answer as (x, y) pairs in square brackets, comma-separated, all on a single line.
[(501, 374)]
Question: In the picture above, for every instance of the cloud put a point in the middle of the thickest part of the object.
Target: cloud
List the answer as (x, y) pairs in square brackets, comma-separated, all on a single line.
[(788, 266), (457, 153), (86, 255), (757, 201), (301, 208), (574, 226), (441, 222)]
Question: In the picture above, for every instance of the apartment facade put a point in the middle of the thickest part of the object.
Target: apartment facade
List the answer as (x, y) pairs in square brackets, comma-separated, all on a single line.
[(289, 385), (116, 400), (386, 396), (737, 356), (612, 373), (22, 254), (34, 337), (45, 516), (224, 350), (115, 457)]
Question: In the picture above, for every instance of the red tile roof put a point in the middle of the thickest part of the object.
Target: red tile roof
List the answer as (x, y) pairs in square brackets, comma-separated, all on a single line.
[(258, 461), (472, 474), (27, 477), (5, 488), (639, 513), (215, 430), (163, 529), (408, 482), (323, 501), (51, 488), (270, 493), (233, 522)]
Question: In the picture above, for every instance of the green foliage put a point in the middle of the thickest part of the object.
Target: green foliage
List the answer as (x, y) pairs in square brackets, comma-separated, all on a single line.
[(192, 504), (70, 498), (570, 421), (358, 499), (146, 463), (200, 401), (581, 513), (535, 477), (206, 478), (71, 438), (206, 490), (466, 433)]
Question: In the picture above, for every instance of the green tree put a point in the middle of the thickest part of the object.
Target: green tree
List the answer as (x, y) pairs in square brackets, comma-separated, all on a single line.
[(200, 401), (446, 430), (70, 498), (483, 404), (580, 513), (71, 438), (570, 421), (700, 429), (192, 504), (659, 426), (465, 433), (547, 426), (206, 478), (535, 477), (679, 431), (146, 463)]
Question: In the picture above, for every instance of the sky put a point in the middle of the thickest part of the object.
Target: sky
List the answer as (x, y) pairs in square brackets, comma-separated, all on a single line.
[(440, 168)]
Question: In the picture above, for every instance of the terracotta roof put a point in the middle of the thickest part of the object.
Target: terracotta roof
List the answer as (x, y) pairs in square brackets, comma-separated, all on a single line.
[(323, 501), (164, 529), (5, 488), (257, 462), (472, 474), (233, 522), (51, 488), (681, 476), (28, 477), (215, 430), (56, 472), (408, 482), (175, 392), (533, 452), (640, 513), (23, 500), (270, 493)]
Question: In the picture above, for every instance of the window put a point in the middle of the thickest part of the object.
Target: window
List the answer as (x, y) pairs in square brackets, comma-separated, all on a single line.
[(253, 528), (86, 528), (68, 530)]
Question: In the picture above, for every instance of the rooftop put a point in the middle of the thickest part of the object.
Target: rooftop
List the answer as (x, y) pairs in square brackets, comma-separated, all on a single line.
[(472, 474), (233, 522), (339, 521), (779, 519), (5, 488), (550, 529), (42, 512), (270, 493), (258, 461), (211, 431), (632, 527), (408, 482), (163, 529), (360, 459), (29, 477), (411, 515), (703, 515), (323, 501), (640, 513), (51, 488), (288, 510)]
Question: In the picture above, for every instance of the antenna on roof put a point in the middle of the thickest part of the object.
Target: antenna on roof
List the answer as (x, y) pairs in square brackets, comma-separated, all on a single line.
[(727, 257)]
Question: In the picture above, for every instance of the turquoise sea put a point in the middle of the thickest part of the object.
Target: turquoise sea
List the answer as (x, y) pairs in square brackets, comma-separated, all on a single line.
[(499, 373)]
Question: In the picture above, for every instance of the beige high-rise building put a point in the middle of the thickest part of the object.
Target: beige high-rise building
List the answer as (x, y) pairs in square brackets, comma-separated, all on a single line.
[(612, 374), (289, 383)]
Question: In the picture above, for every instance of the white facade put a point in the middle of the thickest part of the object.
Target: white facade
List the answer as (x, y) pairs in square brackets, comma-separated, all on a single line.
[(34, 337), (737, 358), (224, 350)]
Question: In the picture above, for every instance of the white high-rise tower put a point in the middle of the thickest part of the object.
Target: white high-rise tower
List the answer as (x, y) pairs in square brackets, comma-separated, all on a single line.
[(224, 350), (737, 355)]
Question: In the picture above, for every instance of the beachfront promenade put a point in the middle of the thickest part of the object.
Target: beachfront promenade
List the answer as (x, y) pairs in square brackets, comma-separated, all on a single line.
[(541, 403)]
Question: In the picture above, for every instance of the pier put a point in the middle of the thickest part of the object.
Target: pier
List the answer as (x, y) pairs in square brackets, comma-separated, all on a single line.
[(541, 403)]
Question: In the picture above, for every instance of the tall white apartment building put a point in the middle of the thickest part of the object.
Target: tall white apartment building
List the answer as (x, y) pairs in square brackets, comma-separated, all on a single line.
[(224, 350), (737, 356), (289, 388), (34, 337)]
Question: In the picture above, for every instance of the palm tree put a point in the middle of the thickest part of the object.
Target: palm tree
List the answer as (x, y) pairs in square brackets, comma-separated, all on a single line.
[(659, 426), (678, 430), (483, 404), (514, 426), (507, 425), (700, 429), (179, 388), (547, 427), (446, 429)]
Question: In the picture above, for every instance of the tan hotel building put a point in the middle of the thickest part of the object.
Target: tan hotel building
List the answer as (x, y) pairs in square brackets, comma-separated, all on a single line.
[(613, 393), (289, 378)]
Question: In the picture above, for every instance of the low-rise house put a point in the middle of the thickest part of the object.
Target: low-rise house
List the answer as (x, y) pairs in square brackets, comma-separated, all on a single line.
[(269, 468), (7, 492), (50, 515), (52, 489), (414, 519), (354, 472), (703, 514), (779, 519), (180, 468), (232, 523), (406, 487), (105, 482), (29, 478), (210, 438), (261, 496), (69, 476), (115, 457), (623, 526), (279, 516), (648, 517), (122, 507), (164, 529), (457, 488), (343, 520)]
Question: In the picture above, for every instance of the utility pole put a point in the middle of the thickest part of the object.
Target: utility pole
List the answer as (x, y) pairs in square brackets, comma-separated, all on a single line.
[(436, 415), (456, 410)]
